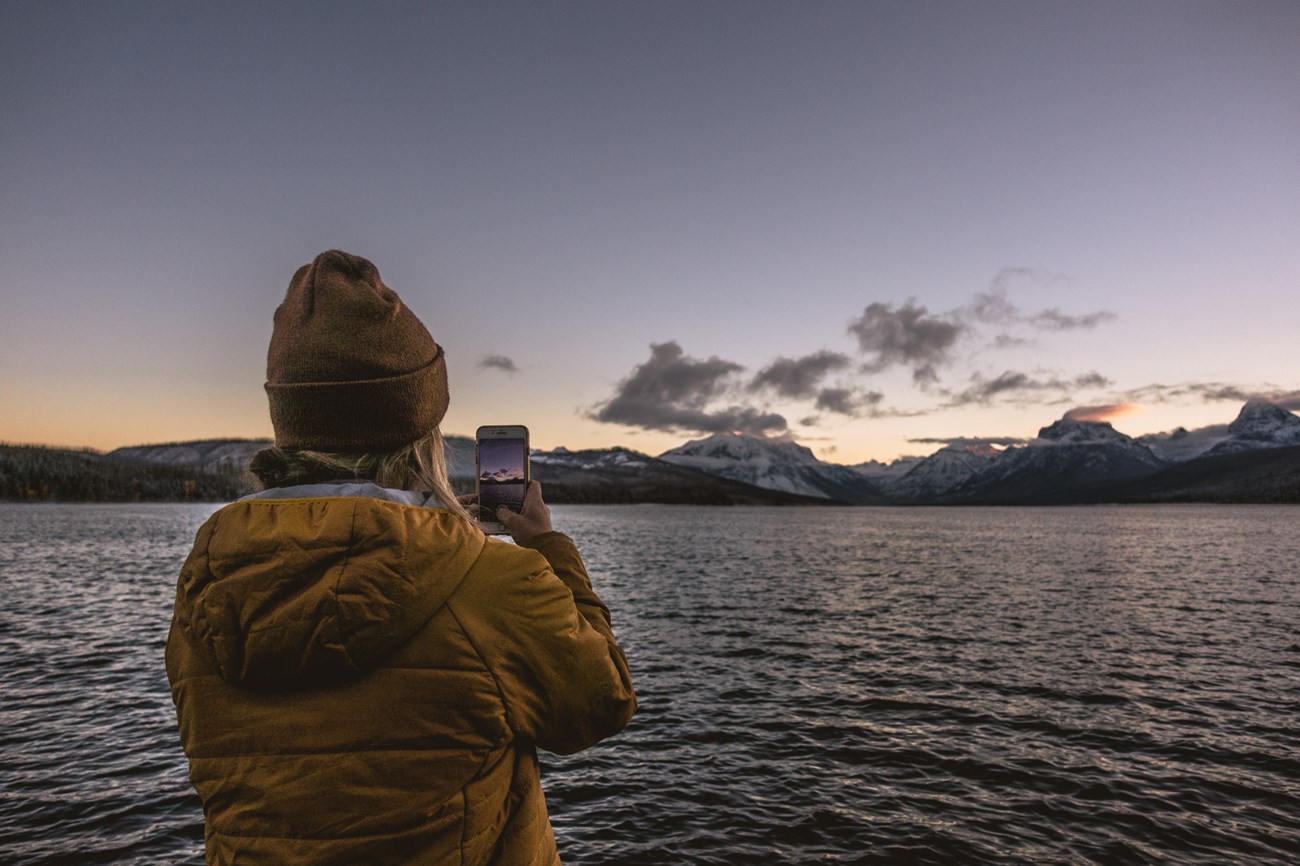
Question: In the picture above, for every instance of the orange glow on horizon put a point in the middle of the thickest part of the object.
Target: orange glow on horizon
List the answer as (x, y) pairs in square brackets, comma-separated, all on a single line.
[(1107, 412)]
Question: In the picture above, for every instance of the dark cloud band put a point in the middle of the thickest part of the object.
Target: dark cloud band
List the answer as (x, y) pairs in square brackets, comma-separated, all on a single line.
[(672, 391), (906, 337), (799, 378), (498, 362)]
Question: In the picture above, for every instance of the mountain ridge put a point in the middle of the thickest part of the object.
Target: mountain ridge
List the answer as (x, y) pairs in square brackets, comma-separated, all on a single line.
[(1070, 460), (774, 464)]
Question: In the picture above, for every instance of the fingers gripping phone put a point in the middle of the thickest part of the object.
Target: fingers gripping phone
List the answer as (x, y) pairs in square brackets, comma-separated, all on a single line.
[(501, 467)]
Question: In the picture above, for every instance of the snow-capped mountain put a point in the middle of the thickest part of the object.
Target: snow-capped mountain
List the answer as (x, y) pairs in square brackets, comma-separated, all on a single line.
[(210, 455), (774, 464), (884, 474), (611, 458), (1070, 461), (1260, 424), (614, 475), (1068, 456), (942, 471)]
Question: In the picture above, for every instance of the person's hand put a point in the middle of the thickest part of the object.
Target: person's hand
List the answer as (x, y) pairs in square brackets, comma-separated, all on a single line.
[(533, 520)]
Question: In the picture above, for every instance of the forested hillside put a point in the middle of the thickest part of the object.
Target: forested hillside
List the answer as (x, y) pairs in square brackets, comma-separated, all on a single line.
[(31, 473)]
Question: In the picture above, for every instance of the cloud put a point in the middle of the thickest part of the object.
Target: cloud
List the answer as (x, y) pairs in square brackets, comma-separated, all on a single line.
[(1055, 320), (801, 378), (1006, 341), (1090, 380), (909, 337), (1290, 402), (674, 392), (843, 401), (498, 362), (1210, 392), (1022, 387), (983, 390), (837, 400), (993, 307), (671, 392), (798, 378), (965, 441), (1106, 412)]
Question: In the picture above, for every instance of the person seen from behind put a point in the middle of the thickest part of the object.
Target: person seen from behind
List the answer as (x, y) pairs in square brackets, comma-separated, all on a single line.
[(360, 675)]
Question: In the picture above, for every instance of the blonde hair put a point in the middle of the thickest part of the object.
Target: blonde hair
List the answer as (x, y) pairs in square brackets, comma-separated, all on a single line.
[(420, 465)]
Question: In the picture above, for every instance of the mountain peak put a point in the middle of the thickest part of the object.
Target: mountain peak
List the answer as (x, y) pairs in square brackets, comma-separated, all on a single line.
[(777, 464), (742, 446), (1262, 419), (1072, 431), (979, 449)]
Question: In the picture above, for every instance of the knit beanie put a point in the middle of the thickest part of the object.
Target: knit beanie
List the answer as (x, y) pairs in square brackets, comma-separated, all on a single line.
[(350, 368)]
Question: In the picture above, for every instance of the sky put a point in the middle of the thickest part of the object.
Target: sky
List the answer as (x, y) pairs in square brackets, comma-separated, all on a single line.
[(873, 227)]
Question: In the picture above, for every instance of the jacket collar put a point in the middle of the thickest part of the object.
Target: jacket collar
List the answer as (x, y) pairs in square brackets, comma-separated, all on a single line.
[(355, 489)]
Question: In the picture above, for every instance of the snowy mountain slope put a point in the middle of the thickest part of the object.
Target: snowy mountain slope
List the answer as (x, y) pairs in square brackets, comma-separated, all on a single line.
[(774, 464), (942, 471), (1068, 456), (210, 455), (1260, 424), (617, 475), (884, 474), (1069, 461)]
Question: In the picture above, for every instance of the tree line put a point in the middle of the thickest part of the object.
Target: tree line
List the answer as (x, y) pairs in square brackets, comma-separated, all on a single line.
[(34, 473)]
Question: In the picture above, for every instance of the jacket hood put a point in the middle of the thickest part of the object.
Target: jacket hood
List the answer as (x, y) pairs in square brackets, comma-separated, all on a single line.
[(299, 592)]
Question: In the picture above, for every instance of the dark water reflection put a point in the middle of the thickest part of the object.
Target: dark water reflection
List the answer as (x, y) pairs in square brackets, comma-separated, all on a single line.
[(1003, 686)]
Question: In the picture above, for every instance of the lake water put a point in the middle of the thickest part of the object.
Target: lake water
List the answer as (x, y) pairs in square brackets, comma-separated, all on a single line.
[(994, 685)]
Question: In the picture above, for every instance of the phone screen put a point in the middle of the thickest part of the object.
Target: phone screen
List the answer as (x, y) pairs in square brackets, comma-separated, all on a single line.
[(502, 475)]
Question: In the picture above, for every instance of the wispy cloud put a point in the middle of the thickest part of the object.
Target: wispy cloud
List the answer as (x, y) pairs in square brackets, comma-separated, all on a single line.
[(993, 307), (1007, 341), (498, 362), (1055, 320), (912, 337), (1213, 392), (1017, 386), (672, 392), (965, 441)]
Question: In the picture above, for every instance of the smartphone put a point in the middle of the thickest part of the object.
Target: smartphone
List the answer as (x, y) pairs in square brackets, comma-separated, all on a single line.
[(501, 467)]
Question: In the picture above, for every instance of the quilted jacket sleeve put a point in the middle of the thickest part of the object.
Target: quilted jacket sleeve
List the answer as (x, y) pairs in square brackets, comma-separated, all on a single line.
[(546, 636)]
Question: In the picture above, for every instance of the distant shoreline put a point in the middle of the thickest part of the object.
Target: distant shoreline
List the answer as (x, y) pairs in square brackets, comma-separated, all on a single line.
[(214, 471)]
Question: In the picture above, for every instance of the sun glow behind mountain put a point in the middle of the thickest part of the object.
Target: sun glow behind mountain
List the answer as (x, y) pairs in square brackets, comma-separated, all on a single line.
[(1107, 412)]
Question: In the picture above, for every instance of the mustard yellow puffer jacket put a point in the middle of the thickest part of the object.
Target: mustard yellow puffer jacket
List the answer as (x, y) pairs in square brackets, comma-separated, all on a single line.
[(363, 681)]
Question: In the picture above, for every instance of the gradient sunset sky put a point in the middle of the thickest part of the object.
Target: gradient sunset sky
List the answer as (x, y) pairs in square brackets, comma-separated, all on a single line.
[(872, 226)]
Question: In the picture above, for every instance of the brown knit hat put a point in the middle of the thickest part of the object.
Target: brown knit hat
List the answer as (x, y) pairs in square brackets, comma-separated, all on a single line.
[(350, 368)]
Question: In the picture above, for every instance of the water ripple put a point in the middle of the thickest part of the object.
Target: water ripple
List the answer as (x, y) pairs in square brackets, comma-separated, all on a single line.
[(868, 686)]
